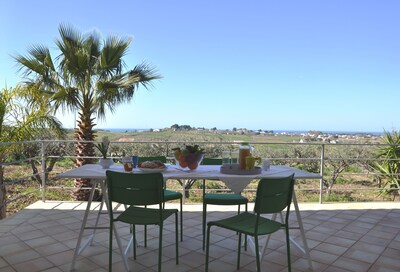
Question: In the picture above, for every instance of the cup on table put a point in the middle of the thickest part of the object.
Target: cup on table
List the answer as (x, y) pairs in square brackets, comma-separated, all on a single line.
[(128, 164), (226, 157), (266, 164), (135, 161), (235, 157)]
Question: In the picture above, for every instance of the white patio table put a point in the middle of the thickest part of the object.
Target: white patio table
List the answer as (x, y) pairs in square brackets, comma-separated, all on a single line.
[(236, 183)]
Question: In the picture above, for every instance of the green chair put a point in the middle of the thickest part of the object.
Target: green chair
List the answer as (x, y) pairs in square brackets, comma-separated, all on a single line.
[(168, 194), (273, 196), (218, 198), (135, 191)]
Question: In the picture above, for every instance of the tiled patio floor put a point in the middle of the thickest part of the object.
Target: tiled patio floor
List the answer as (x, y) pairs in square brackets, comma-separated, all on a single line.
[(342, 237)]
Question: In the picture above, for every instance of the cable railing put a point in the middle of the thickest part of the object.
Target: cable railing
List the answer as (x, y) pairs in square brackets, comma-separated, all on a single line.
[(334, 162)]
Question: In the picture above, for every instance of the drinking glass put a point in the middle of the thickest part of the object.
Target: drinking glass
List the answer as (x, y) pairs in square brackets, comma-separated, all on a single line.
[(128, 164), (226, 157), (235, 157), (266, 164), (135, 160)]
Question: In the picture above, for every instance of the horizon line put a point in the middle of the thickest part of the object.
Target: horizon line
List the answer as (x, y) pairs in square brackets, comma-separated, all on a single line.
[(273, 130)]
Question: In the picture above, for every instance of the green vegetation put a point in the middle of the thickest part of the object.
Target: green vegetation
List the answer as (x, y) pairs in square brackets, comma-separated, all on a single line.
[(20, 123), (342, 169), (390, 166)]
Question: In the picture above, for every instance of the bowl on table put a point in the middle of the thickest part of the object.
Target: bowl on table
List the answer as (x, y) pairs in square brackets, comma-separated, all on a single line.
[(191, 160)]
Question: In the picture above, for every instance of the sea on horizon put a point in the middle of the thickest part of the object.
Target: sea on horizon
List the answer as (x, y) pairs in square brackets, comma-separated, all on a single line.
[(119, 130)]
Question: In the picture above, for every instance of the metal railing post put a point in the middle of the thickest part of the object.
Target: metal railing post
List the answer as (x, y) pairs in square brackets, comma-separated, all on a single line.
[(321, 172), (43, 145)]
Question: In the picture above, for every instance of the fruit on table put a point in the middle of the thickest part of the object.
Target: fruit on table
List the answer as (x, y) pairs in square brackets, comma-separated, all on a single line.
[(182, 161), (193, 165), (190, 156)]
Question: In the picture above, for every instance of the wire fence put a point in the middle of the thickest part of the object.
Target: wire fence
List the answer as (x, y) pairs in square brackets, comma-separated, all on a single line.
[(344, 167)]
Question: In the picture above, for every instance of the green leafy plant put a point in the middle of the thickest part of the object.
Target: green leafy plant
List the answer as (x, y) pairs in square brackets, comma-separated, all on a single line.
[(103, 147), (390, 165)]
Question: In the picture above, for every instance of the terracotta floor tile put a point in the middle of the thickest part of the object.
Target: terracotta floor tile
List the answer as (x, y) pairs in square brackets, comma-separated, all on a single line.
[(35, 265), (323, 257), (330, 248), (369, 247), (379, 268), (361, 255), (22, 256), (352, 265), (340, 239), (3, 262), (390, 262)]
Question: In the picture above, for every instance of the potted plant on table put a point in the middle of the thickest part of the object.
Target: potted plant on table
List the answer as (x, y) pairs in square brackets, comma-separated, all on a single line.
[(103, 148)]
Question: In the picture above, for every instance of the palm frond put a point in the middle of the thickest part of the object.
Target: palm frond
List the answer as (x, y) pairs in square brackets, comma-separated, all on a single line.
[(111, 57), (142, 74), (67, 98)]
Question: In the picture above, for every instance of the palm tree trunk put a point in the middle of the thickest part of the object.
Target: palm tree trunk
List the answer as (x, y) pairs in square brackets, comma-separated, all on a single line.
[(84, 132)]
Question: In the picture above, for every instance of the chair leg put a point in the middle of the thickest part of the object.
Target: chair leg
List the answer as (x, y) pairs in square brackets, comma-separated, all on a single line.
[(239, 247), (134, 241), (207, 248), (204, 223), (160, 246), (145, 233), (245, 236), (181, 214), (288, 247), (110, 247), (257, 250), (176, 238)]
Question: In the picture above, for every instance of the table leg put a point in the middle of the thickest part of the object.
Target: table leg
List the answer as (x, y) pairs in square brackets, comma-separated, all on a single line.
[(79, 248), (264, 248), (105, 198), (183, 190), (251, 243), (98, 216), (305, 248)]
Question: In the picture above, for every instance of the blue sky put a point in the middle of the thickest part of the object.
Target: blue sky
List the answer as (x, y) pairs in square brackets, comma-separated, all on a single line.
[(330, 65)]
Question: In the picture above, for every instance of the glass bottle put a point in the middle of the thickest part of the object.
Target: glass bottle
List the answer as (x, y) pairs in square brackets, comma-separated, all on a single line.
[(244, 151)]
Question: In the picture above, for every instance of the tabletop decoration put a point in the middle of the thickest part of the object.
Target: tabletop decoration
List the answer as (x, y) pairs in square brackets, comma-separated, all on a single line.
[(103, 148), (190, 157)]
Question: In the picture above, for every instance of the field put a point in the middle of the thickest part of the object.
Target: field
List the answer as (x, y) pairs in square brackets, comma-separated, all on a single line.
[(342, 172)]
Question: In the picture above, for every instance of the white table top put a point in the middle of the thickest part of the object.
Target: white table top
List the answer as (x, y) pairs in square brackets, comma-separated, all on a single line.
[(235, 182)]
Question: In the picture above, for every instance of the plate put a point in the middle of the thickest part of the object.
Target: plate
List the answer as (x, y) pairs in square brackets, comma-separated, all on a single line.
[(153, 170)]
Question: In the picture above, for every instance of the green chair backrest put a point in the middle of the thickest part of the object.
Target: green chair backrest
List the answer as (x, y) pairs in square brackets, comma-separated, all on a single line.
[(274, 194), (211, 161), (135, 189), (162, 159)]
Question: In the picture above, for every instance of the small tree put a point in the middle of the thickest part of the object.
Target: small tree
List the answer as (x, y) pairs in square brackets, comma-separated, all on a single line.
[(52, 151), (19, 122), (339, 160)]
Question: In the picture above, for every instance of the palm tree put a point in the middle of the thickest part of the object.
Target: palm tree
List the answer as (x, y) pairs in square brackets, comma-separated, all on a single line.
[(88, 77), (21, 123)]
